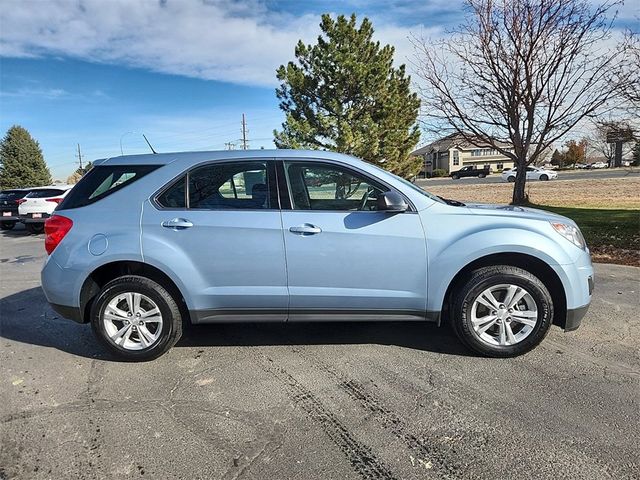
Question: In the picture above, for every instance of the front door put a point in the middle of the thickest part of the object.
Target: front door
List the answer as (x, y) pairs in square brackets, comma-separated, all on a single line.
[(345, 259), (223, 239)]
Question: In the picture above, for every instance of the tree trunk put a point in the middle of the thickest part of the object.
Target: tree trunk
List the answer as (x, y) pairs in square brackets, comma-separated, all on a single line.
[(519, 195)]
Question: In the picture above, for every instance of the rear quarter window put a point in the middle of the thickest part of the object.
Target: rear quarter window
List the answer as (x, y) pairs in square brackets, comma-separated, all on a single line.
[(101, 182)]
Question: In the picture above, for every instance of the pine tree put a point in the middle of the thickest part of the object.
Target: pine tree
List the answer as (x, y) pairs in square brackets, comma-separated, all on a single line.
[(344, 94), (21, 161)]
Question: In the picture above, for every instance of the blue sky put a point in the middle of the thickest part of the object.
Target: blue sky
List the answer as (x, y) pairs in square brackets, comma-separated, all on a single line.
[(102, 72)]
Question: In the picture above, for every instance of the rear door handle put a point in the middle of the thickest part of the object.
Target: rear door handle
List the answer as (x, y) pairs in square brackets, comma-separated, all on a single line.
[(177, 223), (306, 229)]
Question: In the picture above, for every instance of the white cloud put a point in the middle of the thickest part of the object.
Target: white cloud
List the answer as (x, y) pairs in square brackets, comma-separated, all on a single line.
[(221, 40), (238, 42)]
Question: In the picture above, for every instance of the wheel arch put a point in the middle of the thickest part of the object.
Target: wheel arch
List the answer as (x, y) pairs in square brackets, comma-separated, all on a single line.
[(532, 264), (109, 271)]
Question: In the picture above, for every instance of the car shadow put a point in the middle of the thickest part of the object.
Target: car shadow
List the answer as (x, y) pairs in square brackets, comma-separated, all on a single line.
[(27, 318)]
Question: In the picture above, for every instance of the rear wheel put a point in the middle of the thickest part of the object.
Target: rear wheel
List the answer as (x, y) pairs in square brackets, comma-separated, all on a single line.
[(35, 228), (7, 225), (511, 179), (502, 311), (136, 318), (455, 177), (482, 175), (544, 177)]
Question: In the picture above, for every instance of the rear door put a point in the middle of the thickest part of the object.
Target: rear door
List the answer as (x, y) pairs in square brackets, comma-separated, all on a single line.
[(218, 228), (345, 259)]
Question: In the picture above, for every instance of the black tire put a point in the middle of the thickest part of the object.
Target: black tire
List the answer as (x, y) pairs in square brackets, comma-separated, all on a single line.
[(455, 177), (484, 278), (511, 179), (7, 225), (482, 175), (544, 177), (35, 228), (172, 318)]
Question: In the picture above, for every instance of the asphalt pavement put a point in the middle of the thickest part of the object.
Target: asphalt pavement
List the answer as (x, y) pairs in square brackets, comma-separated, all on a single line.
[(604, 173), (315, 401)]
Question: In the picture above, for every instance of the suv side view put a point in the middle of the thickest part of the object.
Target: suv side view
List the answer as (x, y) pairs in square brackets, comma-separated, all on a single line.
[(144, 243)]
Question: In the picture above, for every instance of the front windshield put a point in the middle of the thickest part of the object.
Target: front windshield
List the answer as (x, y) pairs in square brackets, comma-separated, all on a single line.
[(412, 186)]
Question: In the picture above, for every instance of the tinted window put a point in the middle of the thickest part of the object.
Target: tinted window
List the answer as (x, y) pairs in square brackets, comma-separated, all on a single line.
[(45, 193), (174, 196), (101, 182), (230, 185), (317, 186)]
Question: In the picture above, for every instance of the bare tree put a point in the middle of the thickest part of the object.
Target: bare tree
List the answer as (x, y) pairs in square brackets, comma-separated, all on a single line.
[(521, 72), (631, 91)]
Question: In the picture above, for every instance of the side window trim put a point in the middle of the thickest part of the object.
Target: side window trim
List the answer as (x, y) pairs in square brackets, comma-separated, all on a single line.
[(274, 200), (287, 204)]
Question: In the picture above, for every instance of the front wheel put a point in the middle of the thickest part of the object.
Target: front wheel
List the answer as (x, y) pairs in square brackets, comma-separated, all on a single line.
[(136, 318), (544, 177), (502, 311), (7, 225), (482, 175), (511, 179)]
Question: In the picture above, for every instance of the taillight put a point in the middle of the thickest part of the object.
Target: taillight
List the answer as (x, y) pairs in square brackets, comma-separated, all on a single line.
[(21, 201), (54, 200), (55, 228)]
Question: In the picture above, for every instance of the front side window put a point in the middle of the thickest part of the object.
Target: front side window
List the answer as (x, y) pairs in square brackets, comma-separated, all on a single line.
[(241, 185), (319, 186)]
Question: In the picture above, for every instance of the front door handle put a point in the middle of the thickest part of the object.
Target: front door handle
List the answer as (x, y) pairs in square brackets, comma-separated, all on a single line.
[(177, 223), (305, 229)]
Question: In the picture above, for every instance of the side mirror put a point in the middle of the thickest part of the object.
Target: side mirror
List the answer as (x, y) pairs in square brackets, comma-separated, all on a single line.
[(391, 202)]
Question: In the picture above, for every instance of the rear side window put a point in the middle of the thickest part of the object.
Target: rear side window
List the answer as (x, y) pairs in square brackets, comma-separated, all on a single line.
[(46, 193), (101, 182)]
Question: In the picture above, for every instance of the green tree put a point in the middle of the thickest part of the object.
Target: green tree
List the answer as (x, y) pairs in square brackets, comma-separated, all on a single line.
[(557, 158), (21, 161), (636, 154), (344, 94)]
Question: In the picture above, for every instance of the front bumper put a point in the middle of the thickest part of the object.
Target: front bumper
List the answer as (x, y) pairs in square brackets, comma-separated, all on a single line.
[(574, 317)]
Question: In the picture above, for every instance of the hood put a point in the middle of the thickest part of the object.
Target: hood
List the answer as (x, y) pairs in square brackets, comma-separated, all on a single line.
[(515, 211)]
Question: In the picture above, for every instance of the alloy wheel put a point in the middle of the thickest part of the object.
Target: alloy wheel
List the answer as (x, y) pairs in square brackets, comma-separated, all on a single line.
[(504, 315), (132, 321)]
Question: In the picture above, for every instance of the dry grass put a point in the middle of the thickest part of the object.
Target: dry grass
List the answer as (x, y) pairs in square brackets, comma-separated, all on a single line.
[(611, 193)]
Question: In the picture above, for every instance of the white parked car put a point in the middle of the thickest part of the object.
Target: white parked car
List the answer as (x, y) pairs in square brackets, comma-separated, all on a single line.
[(533, 173), (599, 165), (39, 204)]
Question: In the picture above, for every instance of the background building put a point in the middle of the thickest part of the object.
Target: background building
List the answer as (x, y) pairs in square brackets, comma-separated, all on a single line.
[(453, 152)]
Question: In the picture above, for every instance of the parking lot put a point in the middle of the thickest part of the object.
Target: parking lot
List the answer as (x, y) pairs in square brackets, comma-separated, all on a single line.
[(302, 401)]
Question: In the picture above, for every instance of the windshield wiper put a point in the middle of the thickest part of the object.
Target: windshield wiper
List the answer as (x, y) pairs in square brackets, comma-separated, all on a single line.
[(454, 203)]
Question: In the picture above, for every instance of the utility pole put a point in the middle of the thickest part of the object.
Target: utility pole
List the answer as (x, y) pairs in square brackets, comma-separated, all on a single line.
[(79, 157), (244, 133), (229, 146)]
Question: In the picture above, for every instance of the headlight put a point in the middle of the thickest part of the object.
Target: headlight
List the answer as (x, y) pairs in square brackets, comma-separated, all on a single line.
[(571, 233)]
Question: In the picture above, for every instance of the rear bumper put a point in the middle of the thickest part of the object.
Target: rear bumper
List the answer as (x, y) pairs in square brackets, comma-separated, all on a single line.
[(72, 313), (9, 218), (29, 219)]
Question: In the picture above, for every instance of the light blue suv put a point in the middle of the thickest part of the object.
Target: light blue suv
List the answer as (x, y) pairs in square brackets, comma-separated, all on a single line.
[(145, 243)]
